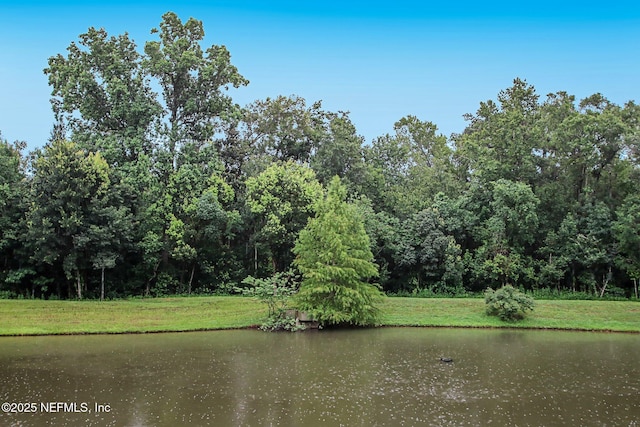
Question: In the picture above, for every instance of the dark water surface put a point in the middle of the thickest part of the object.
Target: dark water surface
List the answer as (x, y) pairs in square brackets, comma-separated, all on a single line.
[(376, 377)]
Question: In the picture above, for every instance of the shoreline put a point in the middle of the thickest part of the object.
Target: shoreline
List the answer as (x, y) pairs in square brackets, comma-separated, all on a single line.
[(256, 327)]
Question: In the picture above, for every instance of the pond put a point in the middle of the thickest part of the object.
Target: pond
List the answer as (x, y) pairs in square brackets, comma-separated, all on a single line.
[(372, 377)]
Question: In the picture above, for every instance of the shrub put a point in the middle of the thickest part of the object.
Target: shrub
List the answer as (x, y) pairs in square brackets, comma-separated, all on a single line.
[(275, 292), (282, 322), (507, 303)]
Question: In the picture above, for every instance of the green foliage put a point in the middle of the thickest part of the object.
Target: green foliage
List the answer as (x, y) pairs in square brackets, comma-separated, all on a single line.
[(500, 140), (333, 253), (627, 233), (13, 204), (282, 322), (282, 198), (612, 294), (179, 190), (276, 292), (191, 79), (340, 154), (72, 216), (507, 303), (284, 129), (432, 257), (404, 171)]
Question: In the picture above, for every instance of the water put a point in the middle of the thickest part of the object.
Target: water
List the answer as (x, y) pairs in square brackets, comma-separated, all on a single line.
[(374, 377)]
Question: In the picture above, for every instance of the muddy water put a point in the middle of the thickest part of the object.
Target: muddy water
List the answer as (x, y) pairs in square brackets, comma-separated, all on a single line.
[(375, 377)]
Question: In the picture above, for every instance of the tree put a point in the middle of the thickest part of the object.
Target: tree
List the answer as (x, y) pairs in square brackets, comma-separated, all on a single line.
[(13, 202), (334, 256), (406, 170), (191, 80), (102, 96), (282, 198), (507, 226), (201, 223), (500, 141), (431, 257), (429, 158), (382, 229), (340, 154), (627, 233), (72, 226), (284, 128)]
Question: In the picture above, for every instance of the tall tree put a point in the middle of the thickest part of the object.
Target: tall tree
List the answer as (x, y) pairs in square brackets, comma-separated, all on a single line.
[(627, 233), (282, 198), (508, 221), (201, 223), (102, 96), (73, 228), (431, 257), (192, 81), (340, 154), (284, 128), (336, 262), (500, 140), (406, 170), (13, 203)]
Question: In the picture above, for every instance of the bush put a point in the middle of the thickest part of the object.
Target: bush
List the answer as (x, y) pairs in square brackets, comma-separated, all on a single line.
[(275, 292), (433, 293), (612, 294), (282, 322), (8, 295), (507, 303)]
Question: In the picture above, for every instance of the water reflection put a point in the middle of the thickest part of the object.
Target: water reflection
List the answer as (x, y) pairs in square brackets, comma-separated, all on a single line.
[(376, 377)]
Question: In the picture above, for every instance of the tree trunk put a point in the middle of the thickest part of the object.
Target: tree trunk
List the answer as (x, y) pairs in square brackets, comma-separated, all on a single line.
[(147, 290), (193, 270), (605, 282), (78, 285), (102, 286)]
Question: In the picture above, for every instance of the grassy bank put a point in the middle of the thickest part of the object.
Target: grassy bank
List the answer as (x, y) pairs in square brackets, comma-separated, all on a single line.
[(36, 317), (621, 316)]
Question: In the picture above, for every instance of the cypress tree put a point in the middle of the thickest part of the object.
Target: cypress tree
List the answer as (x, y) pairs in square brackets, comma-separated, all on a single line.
[(334, 256)]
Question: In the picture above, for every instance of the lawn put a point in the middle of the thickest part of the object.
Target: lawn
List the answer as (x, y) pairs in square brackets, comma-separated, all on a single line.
[(38, 317), (621, 316)]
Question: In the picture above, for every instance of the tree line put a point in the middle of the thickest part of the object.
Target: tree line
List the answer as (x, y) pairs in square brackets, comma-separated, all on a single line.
[(155, 182)]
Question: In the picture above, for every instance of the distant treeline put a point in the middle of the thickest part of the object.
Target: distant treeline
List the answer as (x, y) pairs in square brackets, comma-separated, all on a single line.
[(183, 191)]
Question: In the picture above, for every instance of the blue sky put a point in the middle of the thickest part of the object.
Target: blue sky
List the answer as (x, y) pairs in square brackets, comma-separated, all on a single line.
[(378, 61)]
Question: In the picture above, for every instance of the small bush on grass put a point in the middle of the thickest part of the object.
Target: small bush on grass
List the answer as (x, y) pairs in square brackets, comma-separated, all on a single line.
[(508, 303), (275, 291)]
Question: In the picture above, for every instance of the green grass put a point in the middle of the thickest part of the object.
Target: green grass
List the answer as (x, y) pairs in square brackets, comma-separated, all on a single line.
[(619, 316), (37, 317)]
